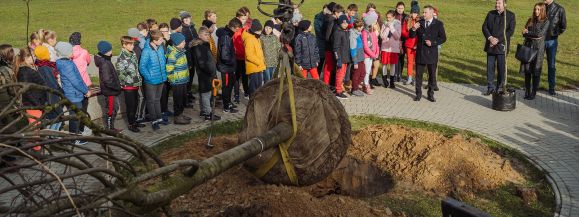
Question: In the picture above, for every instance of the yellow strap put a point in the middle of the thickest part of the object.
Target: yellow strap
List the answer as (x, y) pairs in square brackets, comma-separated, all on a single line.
[(284, 147)]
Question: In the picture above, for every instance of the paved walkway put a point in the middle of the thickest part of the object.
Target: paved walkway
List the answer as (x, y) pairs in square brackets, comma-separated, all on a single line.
[(546, 129)]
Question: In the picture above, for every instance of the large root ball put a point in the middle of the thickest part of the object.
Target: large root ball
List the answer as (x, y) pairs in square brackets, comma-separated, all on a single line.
[(323, 135)]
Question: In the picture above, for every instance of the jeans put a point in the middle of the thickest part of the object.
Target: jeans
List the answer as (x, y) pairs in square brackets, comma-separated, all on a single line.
[(74, 124), (268, 74), (179, 98), (153, 94), (551, 50), (255, 81), (497, 61), (205, 103)]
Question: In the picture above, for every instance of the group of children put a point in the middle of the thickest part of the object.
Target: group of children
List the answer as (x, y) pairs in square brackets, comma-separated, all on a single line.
[(156, 59)]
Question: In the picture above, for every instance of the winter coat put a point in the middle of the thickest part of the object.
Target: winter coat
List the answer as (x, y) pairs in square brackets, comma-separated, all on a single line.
[(535, 39), (50, 81), (128, 69), (408, 41), (356, 46), (190, 34), (137, 50), (318, 29), (33, 97), (238, 44), (82, 59), (494, 25), (226, 52), (558, 21), (437, 36), (370, 43), (341, 46), (72, 84), (178, 66), (271, 47), (329, 28), (109, 78), (6, 96), (205, 65), (152, 65), (254, 58), (390, 35), (306, 51)]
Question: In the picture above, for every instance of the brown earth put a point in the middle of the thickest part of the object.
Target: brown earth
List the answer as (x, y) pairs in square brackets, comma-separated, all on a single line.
[(432, 161), (238, 193), (379, 155)]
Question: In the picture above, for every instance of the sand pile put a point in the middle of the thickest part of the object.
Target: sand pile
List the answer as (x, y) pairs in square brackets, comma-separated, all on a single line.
[(432, 161)]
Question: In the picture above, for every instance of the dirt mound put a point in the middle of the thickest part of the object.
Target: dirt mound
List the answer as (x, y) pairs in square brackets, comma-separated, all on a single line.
[(238, 193), (432, 161)]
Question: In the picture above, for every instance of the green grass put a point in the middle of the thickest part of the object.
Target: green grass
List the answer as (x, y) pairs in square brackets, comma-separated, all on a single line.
[(463, 60), (501, 202)]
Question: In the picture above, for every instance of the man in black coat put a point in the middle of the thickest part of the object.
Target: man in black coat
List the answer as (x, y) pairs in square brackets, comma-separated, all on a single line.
[(494, 32), (558, 25), (430, 33)]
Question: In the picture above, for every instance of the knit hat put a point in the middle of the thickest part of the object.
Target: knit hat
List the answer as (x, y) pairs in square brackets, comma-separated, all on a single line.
[(269, 23), (370, 18), (177, 38), (184, 14), (304, 25), (255, 26), (343, 18), (414, 7), (175, 23), (133, 33), (63, 49), (75, 38), (207, 23), (42, 53), (104, 47)]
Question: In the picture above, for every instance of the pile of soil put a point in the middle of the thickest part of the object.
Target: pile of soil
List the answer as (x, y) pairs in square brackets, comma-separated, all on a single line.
[(433, 162), (238, 193)]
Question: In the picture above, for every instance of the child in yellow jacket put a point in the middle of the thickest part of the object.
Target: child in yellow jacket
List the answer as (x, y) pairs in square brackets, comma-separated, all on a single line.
[(254, 58)]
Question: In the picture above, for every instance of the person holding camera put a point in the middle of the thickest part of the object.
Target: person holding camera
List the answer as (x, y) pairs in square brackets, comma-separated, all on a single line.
[(497, 43)]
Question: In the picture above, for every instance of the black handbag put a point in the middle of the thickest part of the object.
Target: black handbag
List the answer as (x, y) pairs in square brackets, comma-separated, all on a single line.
[(525, 54)]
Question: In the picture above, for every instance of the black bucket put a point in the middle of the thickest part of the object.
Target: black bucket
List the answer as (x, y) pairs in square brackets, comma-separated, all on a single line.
[(505, 101)]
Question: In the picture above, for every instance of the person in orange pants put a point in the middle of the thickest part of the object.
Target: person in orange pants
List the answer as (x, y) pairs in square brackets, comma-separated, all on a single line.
[(410, 43), (306, 50), (342, 53)]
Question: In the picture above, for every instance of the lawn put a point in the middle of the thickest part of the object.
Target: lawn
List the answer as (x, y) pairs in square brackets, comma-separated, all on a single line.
[(463, 60)]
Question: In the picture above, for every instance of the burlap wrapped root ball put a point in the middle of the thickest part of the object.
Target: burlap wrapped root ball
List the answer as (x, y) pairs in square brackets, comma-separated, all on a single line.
[(323, 136)]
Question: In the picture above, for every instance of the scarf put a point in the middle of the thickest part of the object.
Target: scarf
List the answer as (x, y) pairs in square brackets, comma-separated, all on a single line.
[(42, 63)]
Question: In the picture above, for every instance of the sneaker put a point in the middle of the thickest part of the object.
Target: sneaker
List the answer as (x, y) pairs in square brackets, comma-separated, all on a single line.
[(164, 122), (246, 96), (156, 126), (358, 93), (80, 142), (215, 117), (232, 106), (179, 120), (165, 118), (186, 117), (552, 92), (409, 81), (236, 99), (87, 131), (230, 110), (202, 115), (134, 128), (341, 96), (140, 125), (169, 113), (367, 90)]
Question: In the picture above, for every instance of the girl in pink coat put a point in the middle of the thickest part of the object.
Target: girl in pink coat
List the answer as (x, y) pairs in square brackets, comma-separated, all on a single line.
[(81, 59), (390, 47), (371, 47)]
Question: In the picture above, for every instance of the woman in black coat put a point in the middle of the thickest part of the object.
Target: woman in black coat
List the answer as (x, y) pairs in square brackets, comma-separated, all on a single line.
[(534, 34)]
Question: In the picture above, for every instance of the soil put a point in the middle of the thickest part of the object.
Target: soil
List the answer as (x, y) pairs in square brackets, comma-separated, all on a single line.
[(237, 192), (379, 157), (433, 162)]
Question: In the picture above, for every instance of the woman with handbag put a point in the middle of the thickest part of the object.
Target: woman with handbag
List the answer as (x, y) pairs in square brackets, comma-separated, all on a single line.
[(534, 34)]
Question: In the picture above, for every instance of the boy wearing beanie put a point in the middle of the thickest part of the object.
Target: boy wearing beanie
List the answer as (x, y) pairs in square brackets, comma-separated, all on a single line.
[(109, 84), (341, 48), (271, 47), (254, 58), (178, 76), (130, 80), (74, 88), (307, 55)]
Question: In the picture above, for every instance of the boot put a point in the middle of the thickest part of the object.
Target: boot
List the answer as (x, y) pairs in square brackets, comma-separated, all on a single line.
[(385, 80), (179, 120), (536, 80), (392, 85), (527, 87), (133, 128)]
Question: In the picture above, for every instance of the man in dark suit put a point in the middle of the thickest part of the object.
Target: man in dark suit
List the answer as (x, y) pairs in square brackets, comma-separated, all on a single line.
[(430, 33), (497, 43)]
